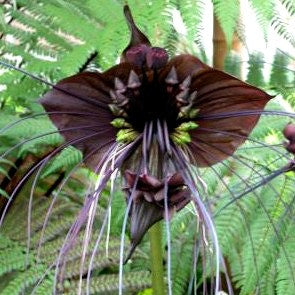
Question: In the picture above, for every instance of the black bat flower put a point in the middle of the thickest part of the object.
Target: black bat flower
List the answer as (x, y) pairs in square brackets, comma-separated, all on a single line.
[(163, 114), (156, 120)]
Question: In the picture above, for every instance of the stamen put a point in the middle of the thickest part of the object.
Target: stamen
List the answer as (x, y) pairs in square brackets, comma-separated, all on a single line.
[(113, 96), (149, 135), (182, 96), (119, 85), (160, 135), (133, 80), (122, 99), (186, 83), (166, 138), (172, 77), (181, 134), (117, 111), (193, 96), (187, 111)]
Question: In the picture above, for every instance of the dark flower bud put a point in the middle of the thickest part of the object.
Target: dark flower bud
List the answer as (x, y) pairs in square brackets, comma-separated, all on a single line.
[(136, 55), (289, 133), (156, 58)]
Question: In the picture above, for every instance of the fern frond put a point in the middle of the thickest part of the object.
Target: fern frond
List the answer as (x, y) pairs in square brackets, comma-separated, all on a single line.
[(264, 10), (227, 13), (67, 159), (108, 284), (24, 280)]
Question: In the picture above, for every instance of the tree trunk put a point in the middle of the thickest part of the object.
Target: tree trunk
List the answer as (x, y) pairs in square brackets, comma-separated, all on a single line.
[(219, 45)]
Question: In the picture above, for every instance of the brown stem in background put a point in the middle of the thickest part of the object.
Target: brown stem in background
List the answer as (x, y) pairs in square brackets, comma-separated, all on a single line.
[(237, 45), (11, 172), (27, 164), (55, 184), (219, 45)]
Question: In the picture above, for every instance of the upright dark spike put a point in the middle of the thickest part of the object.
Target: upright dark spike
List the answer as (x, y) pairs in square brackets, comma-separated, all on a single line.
[(119, 85), (186, 83), (133, 80), (137, 37), (172, 77)]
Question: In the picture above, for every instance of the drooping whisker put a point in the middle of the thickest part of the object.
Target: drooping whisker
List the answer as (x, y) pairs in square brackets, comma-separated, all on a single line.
[(273, 225), (267, 180), (285, 155), (205, 216), (124, 225), (48, 213), (289, 212), (49, 133), (121, 259), (19, 186), (264, 181), (261, 170), (89, 226), (36, 166), (204, 263), (167, 221), (71, 235), (36, 115), (245, 113), (81, 218), (91, 101), (256, 186), (192, 173), (96, 246), (112, 192), (192, 282), (261, 204), (242, 210), (195, 173), (30, 208), (263, 144)]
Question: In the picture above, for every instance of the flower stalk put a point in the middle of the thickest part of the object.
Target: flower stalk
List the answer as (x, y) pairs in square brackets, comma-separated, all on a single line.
[(156, 259)]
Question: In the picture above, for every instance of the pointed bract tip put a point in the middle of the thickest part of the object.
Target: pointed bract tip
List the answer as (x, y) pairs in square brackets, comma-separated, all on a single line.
[(172, 77), (119, 85), (133, 80), (127, 13), (137, 37)]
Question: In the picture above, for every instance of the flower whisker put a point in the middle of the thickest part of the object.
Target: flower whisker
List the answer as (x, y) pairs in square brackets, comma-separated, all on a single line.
[(203, 213), (49, 133), (36, 166), (48, 213), (36, 115), (245, 113), (263, 144), (56, 87), (264, 180)]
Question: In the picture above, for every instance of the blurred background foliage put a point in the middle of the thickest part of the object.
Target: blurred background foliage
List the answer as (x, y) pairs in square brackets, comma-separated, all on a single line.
[(58, 38)]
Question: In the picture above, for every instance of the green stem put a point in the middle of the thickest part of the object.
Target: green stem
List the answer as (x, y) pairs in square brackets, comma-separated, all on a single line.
[(155, 235)]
